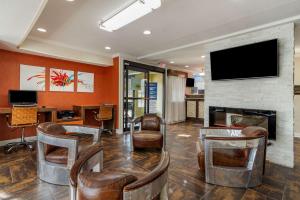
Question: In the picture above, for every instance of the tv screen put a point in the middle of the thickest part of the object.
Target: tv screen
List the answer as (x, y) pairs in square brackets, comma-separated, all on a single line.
[(249, 61), (22, 97), (190, 82)]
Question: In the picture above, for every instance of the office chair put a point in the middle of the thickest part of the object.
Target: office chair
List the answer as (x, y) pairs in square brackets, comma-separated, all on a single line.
[(105, 114), (20, 118)]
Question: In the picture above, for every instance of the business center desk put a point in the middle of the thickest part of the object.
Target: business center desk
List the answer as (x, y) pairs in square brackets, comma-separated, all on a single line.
[(50, 113), (87, 115)]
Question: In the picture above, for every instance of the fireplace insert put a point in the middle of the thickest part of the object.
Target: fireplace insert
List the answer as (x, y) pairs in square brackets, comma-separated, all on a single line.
[(240, 117)]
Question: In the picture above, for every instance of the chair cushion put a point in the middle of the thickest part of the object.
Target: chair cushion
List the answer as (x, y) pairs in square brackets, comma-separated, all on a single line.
[(225, 158), (150, 122), (104, 185), (231, 157), (147, 139)]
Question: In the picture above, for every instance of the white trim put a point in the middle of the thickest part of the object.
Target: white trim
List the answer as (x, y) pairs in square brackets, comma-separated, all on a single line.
[(37, 15), (4, 142), (121, 68), (65, 53), (283, 21), (297, 135), (59, 44)]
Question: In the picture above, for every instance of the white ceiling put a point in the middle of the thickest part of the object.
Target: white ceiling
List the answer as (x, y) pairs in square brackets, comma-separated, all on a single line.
[(17, 18), (74, 25)]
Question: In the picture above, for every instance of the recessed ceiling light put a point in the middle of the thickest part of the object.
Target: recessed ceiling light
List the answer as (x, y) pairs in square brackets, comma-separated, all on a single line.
[(108, 48), (147, 32), (203, 56), (41, 30), (172, 62), (70, 0), (186, 66)]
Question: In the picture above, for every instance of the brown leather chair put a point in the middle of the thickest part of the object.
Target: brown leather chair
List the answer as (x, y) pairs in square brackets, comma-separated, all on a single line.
[(86, 185), (152, 133), (59, 146), (232, 153)]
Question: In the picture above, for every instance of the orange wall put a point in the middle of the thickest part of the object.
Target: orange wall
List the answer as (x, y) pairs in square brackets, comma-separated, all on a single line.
[(105, 88)]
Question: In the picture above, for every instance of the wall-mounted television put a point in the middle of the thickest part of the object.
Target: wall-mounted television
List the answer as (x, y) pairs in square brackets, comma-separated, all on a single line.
[(22, 97), (190, 82), (249, 61)]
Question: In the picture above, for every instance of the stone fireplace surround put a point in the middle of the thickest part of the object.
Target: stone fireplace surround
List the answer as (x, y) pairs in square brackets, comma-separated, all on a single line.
[(264, 93)]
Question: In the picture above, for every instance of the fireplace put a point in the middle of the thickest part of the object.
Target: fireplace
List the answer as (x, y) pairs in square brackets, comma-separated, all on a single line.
[(239, 117)]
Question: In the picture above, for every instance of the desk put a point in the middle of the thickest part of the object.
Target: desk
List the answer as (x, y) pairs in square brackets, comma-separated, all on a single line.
[(84, 111), (50, 113)]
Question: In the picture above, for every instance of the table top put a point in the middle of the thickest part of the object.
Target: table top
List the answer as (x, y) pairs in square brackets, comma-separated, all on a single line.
[(7, 110)]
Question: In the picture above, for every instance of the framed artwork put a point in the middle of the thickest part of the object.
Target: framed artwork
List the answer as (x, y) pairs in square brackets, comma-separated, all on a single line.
[(61, 80), (85, 82), (32, 78)]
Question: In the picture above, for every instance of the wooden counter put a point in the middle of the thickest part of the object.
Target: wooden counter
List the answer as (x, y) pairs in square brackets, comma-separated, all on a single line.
[(194, 107)]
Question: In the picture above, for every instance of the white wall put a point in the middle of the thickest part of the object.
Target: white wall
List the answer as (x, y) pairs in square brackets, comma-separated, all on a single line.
[(265, 93), (297, 98)]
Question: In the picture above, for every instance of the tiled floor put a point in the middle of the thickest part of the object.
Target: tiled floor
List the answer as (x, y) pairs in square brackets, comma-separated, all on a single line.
[(18, 171)]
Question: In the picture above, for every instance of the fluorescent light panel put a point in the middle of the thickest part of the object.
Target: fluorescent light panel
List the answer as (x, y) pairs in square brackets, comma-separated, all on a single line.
[(129, 14)]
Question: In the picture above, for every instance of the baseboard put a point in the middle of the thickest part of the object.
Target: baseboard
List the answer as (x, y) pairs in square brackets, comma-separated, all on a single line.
[(119, 131), (4, 142), (297, 135)]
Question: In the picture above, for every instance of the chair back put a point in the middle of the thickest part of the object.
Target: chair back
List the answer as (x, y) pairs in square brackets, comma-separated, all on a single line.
[(150, 122), (24, 115), (105, 112)]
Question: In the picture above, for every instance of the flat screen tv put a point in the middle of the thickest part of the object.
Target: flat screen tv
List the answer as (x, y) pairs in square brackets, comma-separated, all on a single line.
[(190, 82), (22, 97), (249, 61)]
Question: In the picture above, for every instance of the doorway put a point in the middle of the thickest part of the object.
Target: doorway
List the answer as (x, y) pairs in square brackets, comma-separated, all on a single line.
[(143, 91)]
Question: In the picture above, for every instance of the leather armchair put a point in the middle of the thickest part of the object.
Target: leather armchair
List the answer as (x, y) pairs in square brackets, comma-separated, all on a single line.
[(59, 146), (232, 157), (86, 185), (152, 132)]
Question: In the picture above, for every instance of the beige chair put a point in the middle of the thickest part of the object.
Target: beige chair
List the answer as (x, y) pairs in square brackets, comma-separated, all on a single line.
[(105, 114), (21, 117)]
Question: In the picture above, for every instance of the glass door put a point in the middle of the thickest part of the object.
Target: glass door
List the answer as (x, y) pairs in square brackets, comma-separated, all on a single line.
[(135, 94), (143, 91)]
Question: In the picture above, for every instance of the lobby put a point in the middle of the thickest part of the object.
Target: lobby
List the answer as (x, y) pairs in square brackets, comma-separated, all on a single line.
[(152, 99)]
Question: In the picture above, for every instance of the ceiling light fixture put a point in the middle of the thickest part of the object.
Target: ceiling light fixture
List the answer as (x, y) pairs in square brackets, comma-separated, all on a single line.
[(41, 30), (172, 62), (70, 0), (128, 14), (108, 48), (203, 56), (147, 32), (186, 66)]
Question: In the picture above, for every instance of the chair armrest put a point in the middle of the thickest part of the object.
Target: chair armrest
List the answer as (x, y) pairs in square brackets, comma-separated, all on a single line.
[(66, 141), (81, 161), (8, 120), (157, 173), (85, 130), (136, 120), (95, 113)]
